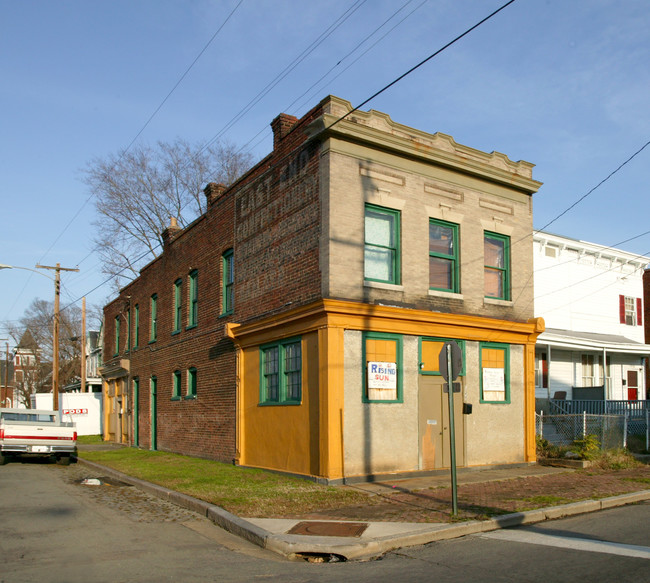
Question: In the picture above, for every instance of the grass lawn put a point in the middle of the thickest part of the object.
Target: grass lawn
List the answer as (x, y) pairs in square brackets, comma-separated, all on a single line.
[(242, 491)]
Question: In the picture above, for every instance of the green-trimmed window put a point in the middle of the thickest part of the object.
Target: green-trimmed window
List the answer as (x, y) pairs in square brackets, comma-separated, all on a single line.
[(495, 372), (383, 371), (191, 383), (193, 307), (176, 385), (382, 245), (496, 253), (117, 335), (443, 256), (178, 307), (430, 355), (128, 330), (228, 282), (136, 326), (281, 373), (153, 318)]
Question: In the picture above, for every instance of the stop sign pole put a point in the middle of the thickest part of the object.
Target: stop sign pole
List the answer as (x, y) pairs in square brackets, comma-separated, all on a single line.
[(450, 364)]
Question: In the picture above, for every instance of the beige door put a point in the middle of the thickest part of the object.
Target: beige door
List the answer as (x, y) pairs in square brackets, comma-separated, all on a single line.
[(434, 429)]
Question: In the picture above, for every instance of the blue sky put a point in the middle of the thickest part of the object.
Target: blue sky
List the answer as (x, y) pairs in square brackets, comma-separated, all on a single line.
[(564, 84)]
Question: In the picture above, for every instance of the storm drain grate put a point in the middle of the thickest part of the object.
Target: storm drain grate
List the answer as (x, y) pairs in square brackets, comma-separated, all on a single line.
[(329, 528)]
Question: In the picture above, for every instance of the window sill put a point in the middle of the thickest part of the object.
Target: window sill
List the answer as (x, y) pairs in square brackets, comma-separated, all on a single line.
[(190, 397), (191, 327), (436, 293), (280, 403), (175, 399), (176, 332), (497, 302), (381, 285)]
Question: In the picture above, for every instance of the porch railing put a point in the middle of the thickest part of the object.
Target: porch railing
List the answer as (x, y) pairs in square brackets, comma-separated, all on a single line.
[(629, 408)]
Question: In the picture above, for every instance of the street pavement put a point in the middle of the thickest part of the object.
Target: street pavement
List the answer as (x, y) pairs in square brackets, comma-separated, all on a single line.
[(404, 512)]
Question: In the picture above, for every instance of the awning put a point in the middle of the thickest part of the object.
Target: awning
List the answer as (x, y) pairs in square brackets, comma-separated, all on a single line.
[(590, 341)]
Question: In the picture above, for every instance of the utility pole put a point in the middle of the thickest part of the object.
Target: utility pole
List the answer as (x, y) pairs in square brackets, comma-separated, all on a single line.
[(55, 335), (83, 344)]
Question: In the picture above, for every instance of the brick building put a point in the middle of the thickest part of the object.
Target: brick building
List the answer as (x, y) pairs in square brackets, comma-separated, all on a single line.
[(296, 325)]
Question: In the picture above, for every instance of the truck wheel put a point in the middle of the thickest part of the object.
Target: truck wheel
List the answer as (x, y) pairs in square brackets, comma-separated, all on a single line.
[(64, 460)]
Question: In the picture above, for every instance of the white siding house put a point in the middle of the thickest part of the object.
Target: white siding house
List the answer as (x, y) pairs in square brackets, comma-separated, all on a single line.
[(591, 298)]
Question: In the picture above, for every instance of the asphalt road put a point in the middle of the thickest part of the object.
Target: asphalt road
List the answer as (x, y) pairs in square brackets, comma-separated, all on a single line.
[(55, 528)]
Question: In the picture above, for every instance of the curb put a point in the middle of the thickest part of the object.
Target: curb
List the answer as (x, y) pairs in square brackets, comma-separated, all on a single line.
[(348, 548)]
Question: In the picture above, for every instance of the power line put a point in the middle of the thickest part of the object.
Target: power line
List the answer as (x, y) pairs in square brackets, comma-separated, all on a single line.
[(146, 124), (584, 196), (403, 75)]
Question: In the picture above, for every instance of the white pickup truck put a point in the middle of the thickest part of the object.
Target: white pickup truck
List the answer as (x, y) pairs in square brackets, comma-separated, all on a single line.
[(36, 432)]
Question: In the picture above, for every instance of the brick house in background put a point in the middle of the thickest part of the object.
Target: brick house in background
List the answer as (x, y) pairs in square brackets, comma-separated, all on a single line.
[(296, 325)]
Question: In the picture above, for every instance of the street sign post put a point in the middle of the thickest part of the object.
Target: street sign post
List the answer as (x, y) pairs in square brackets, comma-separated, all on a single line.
[(450, 363)]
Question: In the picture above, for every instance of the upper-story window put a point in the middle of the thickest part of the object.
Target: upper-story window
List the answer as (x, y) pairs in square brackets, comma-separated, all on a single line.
[(496, 254), (117, 335), (193, 301), (443, 256), (153, 321), (630, 311), (228, 282), (382, 245), (178, 308), (136, 326)]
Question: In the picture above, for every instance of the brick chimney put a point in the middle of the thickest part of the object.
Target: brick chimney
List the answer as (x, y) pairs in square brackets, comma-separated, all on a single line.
[(281, 126), (171, 232), (213, 191)]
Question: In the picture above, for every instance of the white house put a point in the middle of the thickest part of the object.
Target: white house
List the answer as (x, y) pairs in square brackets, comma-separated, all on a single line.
[(591, 298)]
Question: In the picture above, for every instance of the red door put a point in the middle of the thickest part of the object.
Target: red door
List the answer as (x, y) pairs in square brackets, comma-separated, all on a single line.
[(632, 385)]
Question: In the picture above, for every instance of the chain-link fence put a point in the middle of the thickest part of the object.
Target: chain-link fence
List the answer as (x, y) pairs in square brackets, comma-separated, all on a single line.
[(610, 430)]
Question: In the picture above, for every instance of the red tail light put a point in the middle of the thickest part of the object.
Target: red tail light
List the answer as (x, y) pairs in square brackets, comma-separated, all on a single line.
[(75, 436), (2, 433)]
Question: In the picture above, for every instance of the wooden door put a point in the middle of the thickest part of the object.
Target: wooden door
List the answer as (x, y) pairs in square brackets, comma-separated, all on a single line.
[(632, 385)]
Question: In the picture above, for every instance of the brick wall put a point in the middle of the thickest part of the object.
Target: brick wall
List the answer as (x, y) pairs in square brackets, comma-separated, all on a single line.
[(270, 218)]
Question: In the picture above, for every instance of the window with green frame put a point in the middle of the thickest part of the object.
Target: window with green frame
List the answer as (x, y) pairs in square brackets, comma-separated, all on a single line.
[(176, 385), (193, 301), (281, 373), (153, 318), (495, 372), (128, 330), (443, 256), (382, 352), (228, 282), (178, 307), (381, 245), (430, 355), (117, 335), (191, 383), (496, 254), (136, 327)]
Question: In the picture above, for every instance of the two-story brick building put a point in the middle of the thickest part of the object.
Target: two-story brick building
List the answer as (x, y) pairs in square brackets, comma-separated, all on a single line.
[(297, 324)]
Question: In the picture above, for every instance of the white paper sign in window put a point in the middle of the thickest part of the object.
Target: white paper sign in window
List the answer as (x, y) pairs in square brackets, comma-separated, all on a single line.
[(382, 381), (494, 384)]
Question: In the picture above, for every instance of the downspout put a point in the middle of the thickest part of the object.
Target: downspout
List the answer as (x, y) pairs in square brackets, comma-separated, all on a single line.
[(230, 333)]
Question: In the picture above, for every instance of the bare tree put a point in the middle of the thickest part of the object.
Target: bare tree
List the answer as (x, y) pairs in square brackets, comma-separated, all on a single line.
[(33, 334), (138, 191)]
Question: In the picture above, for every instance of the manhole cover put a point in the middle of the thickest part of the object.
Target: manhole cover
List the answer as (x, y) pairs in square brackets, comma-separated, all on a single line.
[(329, 528)]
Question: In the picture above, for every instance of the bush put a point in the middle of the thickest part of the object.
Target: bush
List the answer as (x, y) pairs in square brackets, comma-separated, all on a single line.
[(588, 447)]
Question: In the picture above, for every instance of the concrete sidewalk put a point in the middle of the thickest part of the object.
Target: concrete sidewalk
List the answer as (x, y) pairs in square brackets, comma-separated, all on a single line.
[(347, 540)]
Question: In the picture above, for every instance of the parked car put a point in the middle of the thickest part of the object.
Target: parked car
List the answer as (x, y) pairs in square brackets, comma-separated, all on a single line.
[(36, 432)]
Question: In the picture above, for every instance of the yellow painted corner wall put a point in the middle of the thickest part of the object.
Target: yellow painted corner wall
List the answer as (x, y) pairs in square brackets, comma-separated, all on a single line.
[(282, 437)]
